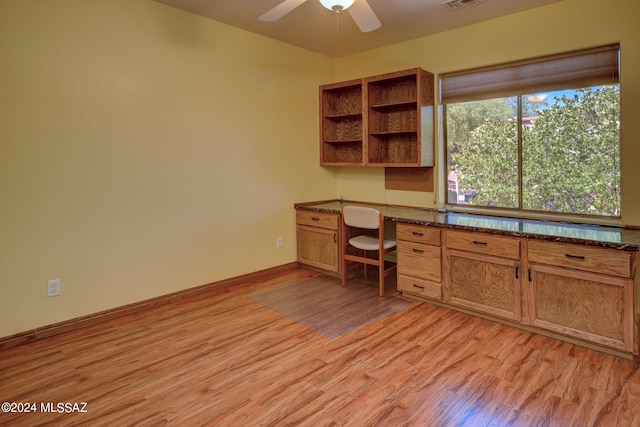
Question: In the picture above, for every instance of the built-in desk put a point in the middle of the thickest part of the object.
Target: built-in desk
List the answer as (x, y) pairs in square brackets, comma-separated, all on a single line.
[(592, 235), (571, 281)]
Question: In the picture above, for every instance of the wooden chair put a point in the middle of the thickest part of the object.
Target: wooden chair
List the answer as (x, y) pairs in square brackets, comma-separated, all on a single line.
[(360, 217)]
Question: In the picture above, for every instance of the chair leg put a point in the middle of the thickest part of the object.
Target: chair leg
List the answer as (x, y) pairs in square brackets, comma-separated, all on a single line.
[(365, 266), (381, 275), (344, 269)]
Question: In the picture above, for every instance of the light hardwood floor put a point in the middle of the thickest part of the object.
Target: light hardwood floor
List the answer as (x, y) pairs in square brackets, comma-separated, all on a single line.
[(226, 360)]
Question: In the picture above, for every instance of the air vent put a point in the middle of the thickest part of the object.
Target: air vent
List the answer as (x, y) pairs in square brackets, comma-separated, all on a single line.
[(459, 4)]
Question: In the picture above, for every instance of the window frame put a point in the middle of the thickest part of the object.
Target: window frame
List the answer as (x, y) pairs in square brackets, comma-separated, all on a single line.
[(584, 68)]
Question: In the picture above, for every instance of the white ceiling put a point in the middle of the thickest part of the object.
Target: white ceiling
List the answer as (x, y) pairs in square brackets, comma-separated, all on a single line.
[(315, 28)]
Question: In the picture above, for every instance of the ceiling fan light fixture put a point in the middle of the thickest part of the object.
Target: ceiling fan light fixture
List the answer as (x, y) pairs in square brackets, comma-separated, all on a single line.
[(337, 5)]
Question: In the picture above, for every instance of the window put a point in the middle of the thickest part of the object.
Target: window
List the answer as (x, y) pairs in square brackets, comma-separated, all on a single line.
[(538, 136)]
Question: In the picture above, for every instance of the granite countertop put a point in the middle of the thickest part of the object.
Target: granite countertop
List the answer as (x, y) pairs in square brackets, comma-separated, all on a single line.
[(592, 235)]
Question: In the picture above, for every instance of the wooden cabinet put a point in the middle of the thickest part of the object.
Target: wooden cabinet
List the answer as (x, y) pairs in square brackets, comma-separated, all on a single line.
[(341, 124), (583, 292), (400, 118), (483, 273), (317, 240), (384, 120), (419, 260), (578, 291)]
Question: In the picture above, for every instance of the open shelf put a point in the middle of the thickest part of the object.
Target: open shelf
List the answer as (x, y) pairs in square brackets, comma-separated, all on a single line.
[(397, 149)]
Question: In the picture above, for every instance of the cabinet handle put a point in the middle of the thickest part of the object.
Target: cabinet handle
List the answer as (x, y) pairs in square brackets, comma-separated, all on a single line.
[(419, 287), (479, 243), (415, 233), (418, 251), (517, 270), (574, 256), (335, 237), (529, 273), (315, 218)]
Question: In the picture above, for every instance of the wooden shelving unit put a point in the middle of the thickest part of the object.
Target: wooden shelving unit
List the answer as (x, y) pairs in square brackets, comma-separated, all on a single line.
[(400, 118), (341, 124), (384, 120)]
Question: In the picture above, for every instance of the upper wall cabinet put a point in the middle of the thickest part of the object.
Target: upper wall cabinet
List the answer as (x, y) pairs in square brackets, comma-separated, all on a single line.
[(400, 119), (393, 126), (341, 124)]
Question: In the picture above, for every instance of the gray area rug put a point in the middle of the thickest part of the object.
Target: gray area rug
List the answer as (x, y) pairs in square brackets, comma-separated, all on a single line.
[(322, 304)]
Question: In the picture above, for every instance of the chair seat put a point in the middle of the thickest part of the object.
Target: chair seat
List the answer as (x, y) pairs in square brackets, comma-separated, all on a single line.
[(369, 243)]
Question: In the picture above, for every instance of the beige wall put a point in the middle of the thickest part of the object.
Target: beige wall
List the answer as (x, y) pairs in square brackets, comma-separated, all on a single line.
[(145, 150), (563, 26)]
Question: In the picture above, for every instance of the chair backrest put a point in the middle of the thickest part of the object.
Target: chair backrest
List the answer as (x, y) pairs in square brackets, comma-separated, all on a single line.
[(361, 217)]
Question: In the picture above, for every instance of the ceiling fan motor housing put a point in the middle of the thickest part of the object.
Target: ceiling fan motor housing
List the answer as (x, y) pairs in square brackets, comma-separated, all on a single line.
[(337, 5)]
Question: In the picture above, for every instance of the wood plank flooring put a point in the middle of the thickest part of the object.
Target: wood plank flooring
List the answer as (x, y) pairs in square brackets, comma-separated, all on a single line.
[(225, 360)]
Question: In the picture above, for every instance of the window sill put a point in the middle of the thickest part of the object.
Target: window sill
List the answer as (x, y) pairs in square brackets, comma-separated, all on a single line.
[(540, 216)]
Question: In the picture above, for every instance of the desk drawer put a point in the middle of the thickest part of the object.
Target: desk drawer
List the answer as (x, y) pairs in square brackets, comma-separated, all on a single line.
[(587, 258), (419, 287), (484, 243), (418, 234), (317, 219), (418, 260)]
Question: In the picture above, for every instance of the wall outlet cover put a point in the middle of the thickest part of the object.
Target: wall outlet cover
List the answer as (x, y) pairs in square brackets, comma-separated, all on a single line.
[(53, 287)]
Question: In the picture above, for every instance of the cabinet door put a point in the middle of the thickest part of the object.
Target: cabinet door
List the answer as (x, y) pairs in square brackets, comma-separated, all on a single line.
[(588, 306), (318, 247), (483, 283)]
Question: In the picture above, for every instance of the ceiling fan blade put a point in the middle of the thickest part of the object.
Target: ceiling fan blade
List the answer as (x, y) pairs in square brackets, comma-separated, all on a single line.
[(280, 10), (364, 16)]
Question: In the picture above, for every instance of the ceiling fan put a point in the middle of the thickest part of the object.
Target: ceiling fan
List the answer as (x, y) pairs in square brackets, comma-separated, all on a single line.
[(360, 11)]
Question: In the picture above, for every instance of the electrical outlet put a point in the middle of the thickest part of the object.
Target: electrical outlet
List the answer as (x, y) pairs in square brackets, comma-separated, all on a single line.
[(279, 242), (53, 288)]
